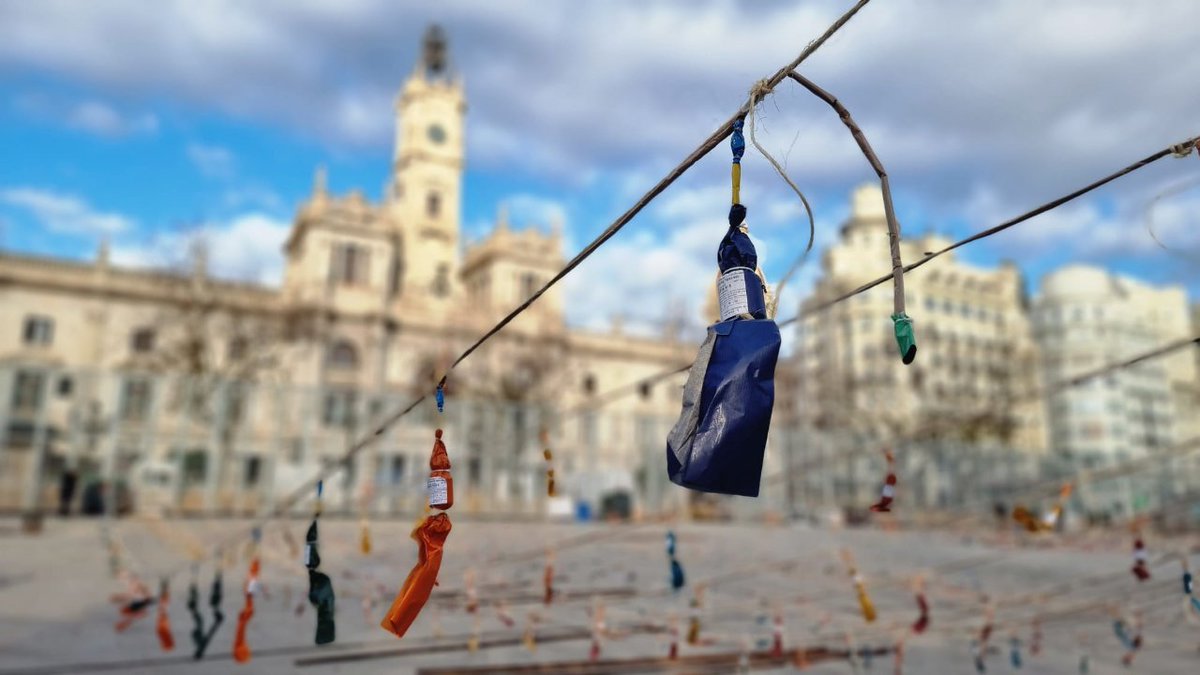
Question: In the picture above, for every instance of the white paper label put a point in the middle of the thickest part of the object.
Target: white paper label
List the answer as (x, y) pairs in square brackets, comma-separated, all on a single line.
[(307, 554), (437, 491), (731, 293), (888, 490)]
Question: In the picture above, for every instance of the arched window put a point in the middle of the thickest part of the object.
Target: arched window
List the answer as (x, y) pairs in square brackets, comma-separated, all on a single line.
[(343, 356), (433, 204)]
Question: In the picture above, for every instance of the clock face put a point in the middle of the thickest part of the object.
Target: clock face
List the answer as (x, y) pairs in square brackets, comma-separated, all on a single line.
[(436, 133)]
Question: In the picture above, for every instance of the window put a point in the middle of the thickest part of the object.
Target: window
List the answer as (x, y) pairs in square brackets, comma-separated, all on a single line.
[(252, 471), (529, 285), (441, 281), (644, 390), (27, 391), (397, 469), (338, 408), (237, 348), (395, 275), (65, 386), (343, 356), (39, 330), (135, 399), (433, 204), (142, 340), (195, 467), (349, 265), (589, 384)]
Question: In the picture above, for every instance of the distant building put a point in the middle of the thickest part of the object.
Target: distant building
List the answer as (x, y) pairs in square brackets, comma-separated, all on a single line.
[(976, 361), (247, 389), (1086, 317)]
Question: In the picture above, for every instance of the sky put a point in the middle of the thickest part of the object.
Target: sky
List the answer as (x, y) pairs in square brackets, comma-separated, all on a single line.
[(148, 123)]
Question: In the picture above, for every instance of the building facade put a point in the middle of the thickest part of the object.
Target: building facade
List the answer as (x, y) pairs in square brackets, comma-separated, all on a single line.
[(239, 392), (1086, 317), (976, 362)]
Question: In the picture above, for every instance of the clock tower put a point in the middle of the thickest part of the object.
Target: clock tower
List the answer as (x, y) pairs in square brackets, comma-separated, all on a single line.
[(425, 192)]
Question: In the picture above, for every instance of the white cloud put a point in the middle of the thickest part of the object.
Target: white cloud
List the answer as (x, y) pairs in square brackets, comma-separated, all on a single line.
[(248, 247), (63, 213), (91, 116), (528, 209), (104, 120), (213, 161)]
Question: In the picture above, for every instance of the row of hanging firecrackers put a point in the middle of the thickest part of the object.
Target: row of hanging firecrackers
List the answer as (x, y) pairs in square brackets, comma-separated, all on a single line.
[(717, 445), (888, 492), (430, 536), (241, 649), (320, 586), (677, 577), (860, 587), (201, 637), (1048, 522)]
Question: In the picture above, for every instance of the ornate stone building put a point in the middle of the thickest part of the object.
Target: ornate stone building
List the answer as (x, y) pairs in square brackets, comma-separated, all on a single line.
[(238, 392), (976, 354)]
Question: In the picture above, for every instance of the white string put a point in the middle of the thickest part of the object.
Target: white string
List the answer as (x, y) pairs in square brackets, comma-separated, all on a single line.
[(757, 93)]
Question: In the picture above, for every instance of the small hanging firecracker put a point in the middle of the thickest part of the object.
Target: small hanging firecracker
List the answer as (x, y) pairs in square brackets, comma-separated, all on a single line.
[(1035, 640), (134, 603), (673, 630), (853, 654), (1140, 569), (201, 637), (1130, 636), (860, 587), (431, 539), (1191, 604), (697, 601), (677, 577), (320, 586), (364, 536), (241, 649), (472, 594), (551, 490), (777, 634), (1014, 652), (922, 623), (529, 636), (717, 444), (888, 492), (598, 630), (473, 640), (980, 645), (166, 639), (548, 578), (504, 615)]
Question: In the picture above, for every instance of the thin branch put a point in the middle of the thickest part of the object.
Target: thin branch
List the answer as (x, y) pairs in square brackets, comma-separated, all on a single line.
[(889, 209)]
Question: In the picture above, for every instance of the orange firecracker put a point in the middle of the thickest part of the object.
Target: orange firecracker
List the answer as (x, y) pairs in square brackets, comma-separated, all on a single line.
[(165, 639), (430, 536), (241, 648), (440, 484)]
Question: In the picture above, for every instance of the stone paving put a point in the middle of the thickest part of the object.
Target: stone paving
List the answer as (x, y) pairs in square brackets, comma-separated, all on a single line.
[(56, 615)]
